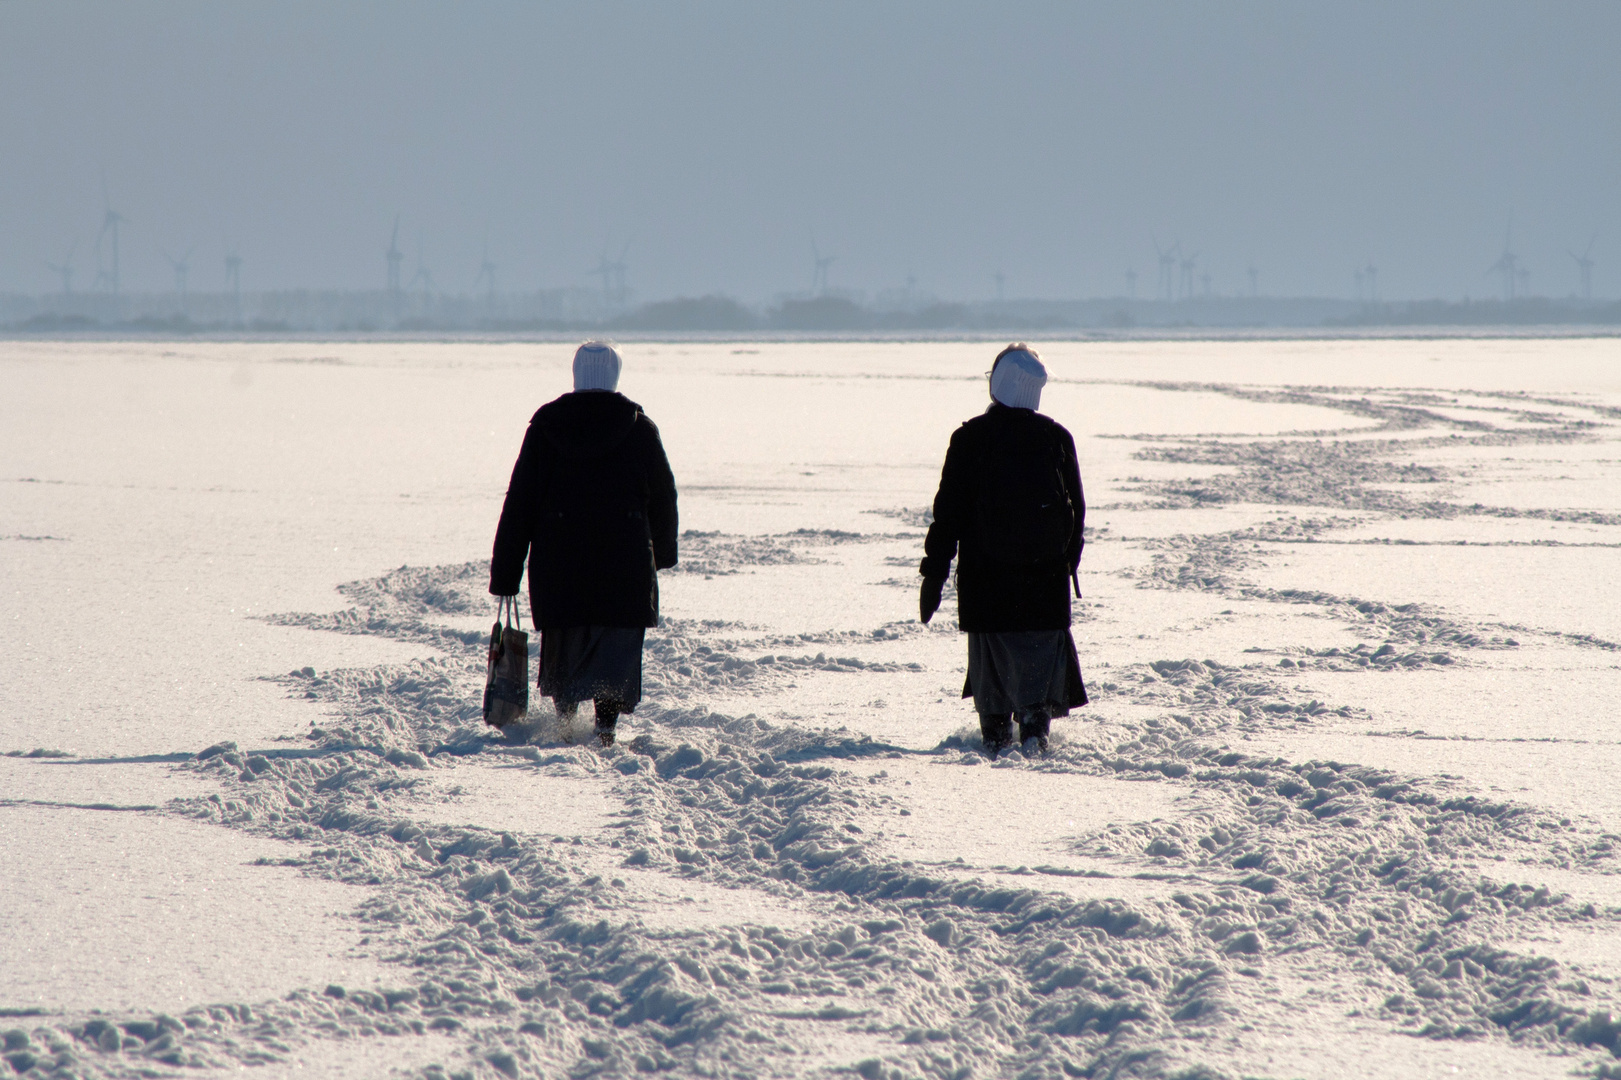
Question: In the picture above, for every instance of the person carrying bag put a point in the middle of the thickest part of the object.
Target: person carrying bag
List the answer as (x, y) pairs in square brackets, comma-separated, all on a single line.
[(592, 506)]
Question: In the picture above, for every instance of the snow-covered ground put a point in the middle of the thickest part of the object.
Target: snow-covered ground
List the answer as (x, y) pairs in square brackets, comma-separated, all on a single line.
[(1344, 802)]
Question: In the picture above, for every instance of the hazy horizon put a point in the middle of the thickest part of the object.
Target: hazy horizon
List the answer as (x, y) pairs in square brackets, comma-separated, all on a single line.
[(942, 143)]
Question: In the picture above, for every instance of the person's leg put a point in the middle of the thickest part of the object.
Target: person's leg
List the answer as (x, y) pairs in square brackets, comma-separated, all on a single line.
[(997, 730), (1034, 723), (566, 711), (608, 711)]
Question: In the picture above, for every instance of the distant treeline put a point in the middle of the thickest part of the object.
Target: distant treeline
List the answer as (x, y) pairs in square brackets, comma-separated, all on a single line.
[(1525, 311), (306, 312), (830, 313)]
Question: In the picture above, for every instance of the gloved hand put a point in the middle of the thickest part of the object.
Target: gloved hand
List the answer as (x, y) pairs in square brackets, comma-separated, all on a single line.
[(929, 598)]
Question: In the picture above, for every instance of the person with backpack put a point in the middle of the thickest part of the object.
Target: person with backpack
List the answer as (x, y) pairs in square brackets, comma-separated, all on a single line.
[(592, 505), (1011, 511)]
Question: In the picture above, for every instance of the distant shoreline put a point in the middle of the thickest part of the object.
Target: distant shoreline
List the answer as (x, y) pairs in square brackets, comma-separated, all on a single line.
[(829, 316), (989, 334)]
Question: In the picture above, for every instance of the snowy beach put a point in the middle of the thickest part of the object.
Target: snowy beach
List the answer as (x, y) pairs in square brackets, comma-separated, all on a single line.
[(1344, 801)]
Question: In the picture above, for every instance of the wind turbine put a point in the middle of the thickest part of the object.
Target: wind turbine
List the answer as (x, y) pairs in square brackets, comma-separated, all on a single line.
[(613, 276), (394, 256), (1131, 283), (605, 271), (1187, 264), (819, 273), (1001, 283), (1370, 274), (1255, 279), (486, 277), (66, 270), (233, 280), (1167, 269), (422, 276), (618, 269), (1584, 263), (182, 267), (109, 232), (1507, 264)]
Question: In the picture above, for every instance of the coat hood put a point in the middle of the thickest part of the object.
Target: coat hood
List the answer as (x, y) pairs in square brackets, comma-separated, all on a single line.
[(587, 423)]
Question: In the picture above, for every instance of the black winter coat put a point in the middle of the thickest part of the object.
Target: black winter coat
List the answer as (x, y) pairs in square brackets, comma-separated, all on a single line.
[(995, 596), (592, 505)]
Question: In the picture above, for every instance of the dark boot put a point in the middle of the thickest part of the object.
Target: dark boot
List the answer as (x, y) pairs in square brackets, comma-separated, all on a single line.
[(608, 712), (1034, 724), (566, 711), (997, 730)]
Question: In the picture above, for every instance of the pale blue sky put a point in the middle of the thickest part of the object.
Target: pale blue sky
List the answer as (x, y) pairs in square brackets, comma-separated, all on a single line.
[(943, 140)]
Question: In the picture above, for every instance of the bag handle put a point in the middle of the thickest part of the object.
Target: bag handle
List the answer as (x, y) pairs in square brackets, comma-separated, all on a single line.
[(507, 609)]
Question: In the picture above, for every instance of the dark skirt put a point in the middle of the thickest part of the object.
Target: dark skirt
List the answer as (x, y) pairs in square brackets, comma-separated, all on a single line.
[(585, 663), (1015, 671)]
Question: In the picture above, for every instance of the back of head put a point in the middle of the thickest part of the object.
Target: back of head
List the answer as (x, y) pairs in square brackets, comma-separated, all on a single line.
[(1017, 377), (596, 366)]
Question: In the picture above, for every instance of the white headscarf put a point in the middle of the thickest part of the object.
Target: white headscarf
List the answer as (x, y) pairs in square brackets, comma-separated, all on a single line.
[(1018, 378), (596, 366)]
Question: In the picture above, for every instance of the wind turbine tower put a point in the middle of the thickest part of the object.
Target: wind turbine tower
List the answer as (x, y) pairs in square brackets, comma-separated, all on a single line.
[(1255, 281), (621, 291), (182, 267), (423, 278), (486, 278), (1187, 265), (1167, 270), (109, 233), (819, 272), (394, 256), (605, 271), (1131, 283), (233, 281), (614, 290), (1584, 263), (1507, 264), (1370, 274), (65, 271), (1001, 286)]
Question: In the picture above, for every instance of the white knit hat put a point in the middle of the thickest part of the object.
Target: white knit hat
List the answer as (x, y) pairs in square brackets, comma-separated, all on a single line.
[(596, 366), (1018, 378)]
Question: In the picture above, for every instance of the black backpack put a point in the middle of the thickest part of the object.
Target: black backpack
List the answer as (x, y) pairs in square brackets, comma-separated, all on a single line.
[(1024, 514)]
